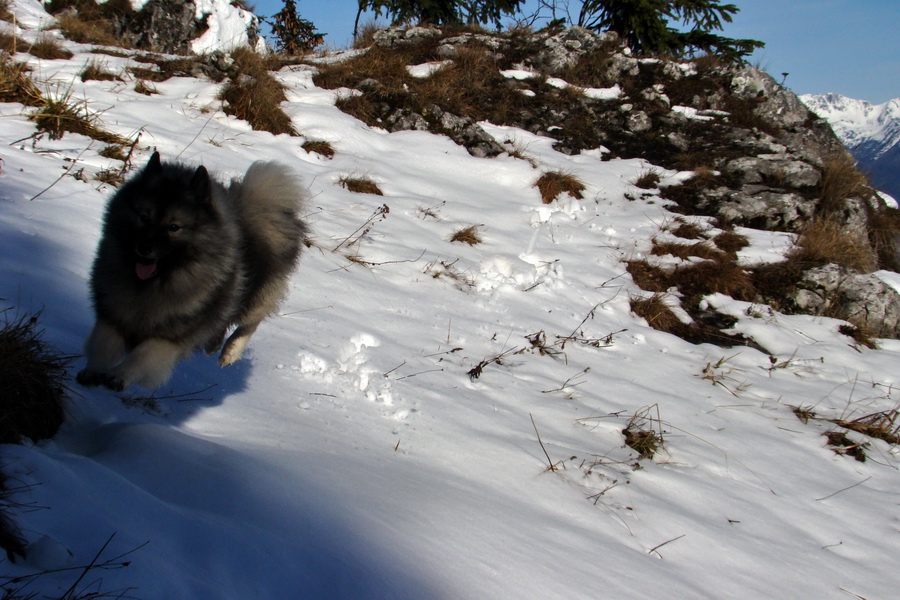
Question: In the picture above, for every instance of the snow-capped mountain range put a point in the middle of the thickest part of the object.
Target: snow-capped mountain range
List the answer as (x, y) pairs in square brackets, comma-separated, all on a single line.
[(870, 131)]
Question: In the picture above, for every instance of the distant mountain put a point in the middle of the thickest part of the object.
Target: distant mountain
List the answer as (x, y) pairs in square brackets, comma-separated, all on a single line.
[(870, 131)]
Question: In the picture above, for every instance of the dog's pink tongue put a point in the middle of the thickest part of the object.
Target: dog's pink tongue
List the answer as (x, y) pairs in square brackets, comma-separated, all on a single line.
[(145, 271)]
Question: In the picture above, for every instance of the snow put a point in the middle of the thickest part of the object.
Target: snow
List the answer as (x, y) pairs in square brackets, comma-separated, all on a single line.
[(349, 455), (227, 26), (597, 93), (858, 121), (426, 70)]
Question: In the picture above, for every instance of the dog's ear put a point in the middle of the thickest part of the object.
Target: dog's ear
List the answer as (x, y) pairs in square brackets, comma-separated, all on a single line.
[(154, 165), (199, 184)]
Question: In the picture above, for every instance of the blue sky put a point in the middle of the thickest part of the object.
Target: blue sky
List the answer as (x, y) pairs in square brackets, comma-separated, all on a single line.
[(851, 47)]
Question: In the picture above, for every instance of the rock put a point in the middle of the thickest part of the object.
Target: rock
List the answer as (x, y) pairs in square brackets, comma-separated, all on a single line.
[(639, 122), (404, 36), (863, 299), (564, 49), (761, 207), (777, 170)]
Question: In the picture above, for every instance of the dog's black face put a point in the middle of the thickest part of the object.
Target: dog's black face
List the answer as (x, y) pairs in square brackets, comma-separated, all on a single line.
[(163, 213)]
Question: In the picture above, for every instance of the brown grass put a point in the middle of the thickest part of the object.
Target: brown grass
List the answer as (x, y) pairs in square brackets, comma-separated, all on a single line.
[(884, 229), (360, 185), (841, 180), (883, 425), (255, 95), (365, 36), (145, 88), (825, 240), (647, 180), (467, 235), (59, 114), (87, 31), (15, 83), (554, 183), (96, 71), (32, 382), (687, 231), (657, 313), (685, 251), (319, 147), (48, 47), (731, 242), (843, 445), (859, 334), (11, 43)]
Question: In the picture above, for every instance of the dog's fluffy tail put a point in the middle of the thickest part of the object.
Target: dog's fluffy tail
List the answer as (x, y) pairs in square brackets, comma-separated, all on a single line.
[(270, 200)]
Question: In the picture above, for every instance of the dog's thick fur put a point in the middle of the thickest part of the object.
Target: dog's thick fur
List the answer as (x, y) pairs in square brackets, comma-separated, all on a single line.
[(182, 259)]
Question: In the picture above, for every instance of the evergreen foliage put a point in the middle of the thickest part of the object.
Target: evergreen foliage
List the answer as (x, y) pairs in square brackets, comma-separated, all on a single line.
[(644, 24), (293, 34), (442, 12)]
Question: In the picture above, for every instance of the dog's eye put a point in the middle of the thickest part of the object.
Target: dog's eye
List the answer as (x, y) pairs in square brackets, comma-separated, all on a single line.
[(143, 218), (174, 228)]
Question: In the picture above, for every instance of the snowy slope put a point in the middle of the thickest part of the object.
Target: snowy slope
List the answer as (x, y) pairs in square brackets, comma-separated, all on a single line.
[(350, 456), (870, 131)]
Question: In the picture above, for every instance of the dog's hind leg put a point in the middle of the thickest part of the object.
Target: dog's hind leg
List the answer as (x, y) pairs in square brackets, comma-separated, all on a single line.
[(236, 343)]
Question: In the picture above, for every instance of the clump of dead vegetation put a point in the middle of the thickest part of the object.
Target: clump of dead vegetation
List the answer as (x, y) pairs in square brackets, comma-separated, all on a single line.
[(360, 185), (33, 382), (319, 147), (255, 95), (554, 183), (467, 235)]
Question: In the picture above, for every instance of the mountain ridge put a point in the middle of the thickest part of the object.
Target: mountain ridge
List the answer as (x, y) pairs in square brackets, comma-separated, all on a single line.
[(870, 131)]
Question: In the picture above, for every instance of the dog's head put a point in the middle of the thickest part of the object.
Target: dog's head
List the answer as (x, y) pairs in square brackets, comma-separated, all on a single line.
[(165, 207)]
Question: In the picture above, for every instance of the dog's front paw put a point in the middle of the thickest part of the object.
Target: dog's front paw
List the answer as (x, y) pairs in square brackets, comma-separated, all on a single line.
[(89, 378)]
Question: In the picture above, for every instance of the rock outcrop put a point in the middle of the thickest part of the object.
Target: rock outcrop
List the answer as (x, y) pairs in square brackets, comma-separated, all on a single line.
[(761, 159)]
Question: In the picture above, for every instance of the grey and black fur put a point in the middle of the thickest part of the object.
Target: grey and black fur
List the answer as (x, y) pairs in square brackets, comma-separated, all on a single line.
[(182, 259)]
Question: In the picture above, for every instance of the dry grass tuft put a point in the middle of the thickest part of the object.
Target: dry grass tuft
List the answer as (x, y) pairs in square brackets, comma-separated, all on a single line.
[(58, 114), (319, 147), (255, 95), (32, 382), (83, 30), (843, 445), (684, 251), (647, 180), (687, 231), (467, 235), (882, 425), (554, 183), (859, 334), (96, 71), (360, 185), (48, 47), (365, 37), (841, 179), (11, 43), (826, 241), (145, 88), (657, 313), (15, 83), (731, 242), (884, 236), (644, 433)]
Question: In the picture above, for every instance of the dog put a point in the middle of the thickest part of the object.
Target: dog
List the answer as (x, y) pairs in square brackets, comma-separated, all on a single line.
[(184, 258)]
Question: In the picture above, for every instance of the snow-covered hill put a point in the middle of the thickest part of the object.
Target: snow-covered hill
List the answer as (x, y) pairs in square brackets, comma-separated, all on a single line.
[(870, 131), (428, 419)]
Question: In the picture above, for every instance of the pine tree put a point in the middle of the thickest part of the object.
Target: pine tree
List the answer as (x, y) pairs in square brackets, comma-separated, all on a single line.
[(442, 12), (644, 25), (294, 35)]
